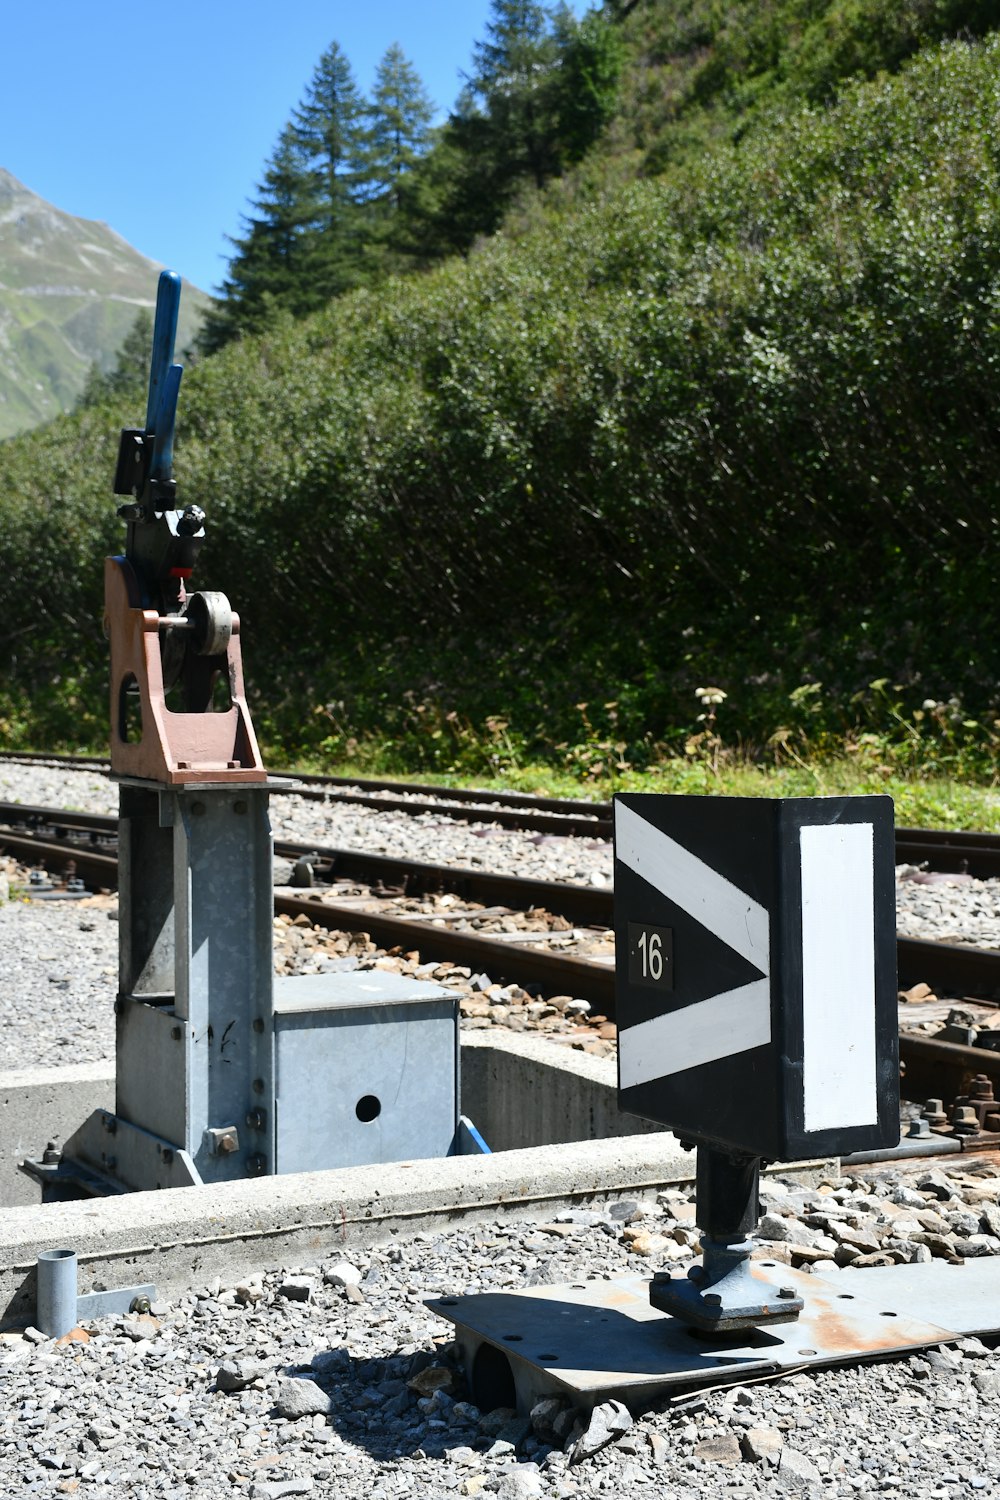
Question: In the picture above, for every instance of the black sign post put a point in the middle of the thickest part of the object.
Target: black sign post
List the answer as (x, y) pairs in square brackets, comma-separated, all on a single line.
[(756, 1002)]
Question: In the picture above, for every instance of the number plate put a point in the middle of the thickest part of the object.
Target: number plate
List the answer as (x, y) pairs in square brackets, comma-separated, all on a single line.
[(651, 956)]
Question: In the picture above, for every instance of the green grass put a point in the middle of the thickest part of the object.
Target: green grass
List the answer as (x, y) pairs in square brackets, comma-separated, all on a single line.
[(923, 797), (921, 801)]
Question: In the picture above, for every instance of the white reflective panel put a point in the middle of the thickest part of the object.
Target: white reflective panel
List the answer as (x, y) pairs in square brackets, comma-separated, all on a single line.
[(838, 976)]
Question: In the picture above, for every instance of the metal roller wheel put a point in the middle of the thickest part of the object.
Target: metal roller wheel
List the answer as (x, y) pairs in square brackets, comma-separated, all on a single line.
[(211, 617)]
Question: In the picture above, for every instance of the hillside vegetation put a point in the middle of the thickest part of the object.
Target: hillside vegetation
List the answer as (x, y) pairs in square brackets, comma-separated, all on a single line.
[(733, 426)]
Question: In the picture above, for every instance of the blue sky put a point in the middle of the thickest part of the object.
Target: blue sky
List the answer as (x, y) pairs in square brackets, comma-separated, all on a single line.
[(158, 118)]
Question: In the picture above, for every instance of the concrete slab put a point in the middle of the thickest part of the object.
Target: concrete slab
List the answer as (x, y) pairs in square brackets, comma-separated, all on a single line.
[(522, 1089), (38, 1105), (545, 1106), (186, 1236)]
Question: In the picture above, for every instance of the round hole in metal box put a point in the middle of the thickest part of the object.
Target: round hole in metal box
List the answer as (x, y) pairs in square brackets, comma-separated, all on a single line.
[(492, 1379), (368, 1108)]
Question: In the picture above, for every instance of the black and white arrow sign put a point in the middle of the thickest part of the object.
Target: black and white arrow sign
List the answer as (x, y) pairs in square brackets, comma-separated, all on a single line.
[(755, 948), (723, 1024)]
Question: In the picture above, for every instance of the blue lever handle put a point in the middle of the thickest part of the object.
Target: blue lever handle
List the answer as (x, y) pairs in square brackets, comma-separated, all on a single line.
[(168, 301), (161, 465)]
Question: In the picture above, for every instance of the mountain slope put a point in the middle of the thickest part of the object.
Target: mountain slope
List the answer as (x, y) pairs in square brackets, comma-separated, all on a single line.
[(69, 293)]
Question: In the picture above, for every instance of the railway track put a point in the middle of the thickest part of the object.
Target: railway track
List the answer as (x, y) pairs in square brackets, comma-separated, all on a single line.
[(968, 970), (946, 851), (387, 879), (555, 816), (83, 844), (87, 840)]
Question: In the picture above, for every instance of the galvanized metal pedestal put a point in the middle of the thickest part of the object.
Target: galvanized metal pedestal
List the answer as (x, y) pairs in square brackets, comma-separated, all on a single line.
[(593, 1340), (220, 1078), (723, 1294), (194, 1011)]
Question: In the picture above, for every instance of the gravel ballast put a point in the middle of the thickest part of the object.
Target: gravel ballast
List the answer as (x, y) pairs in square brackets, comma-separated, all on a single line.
[(333, 1378)]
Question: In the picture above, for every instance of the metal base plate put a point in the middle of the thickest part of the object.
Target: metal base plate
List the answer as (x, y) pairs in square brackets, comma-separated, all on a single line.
[(738, 1301), (599, 1339), (104, 1304), (107, 1154)]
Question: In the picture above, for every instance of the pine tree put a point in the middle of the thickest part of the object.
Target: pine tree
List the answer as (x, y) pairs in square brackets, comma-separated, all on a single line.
[(585, 88), (501, 132), (397, 141), (399, 127), (270, 267), (303, 244), (329, 127), (515, 33), (514, 70), (130, 373)]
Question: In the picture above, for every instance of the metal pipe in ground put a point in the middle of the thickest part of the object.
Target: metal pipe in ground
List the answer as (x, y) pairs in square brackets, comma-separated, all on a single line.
[(56, 1300)]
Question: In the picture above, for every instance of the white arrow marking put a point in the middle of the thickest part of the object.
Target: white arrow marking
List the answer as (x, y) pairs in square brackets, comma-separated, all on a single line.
[(721, 1025), (731, 1022)]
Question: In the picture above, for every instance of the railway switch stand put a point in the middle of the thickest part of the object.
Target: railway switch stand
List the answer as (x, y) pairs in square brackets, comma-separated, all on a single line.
[(219, 1077)]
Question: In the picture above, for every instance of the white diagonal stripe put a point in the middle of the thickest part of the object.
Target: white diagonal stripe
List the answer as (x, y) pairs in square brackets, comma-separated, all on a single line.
[(721, 907), (701, 1033)]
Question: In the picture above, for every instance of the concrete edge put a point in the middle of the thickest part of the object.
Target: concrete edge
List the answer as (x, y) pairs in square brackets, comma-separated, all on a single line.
[(519, 1089), (542, 1049), (187, 1236)]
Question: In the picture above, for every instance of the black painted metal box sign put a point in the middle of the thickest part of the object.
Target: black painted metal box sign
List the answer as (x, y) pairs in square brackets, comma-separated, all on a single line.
[(756, 971)]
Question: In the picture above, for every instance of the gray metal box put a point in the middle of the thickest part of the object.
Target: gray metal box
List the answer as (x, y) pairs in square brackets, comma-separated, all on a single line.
[(367, 1070)]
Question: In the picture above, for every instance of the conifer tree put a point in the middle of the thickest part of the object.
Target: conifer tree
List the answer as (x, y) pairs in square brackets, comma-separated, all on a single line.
[(270, 266), (586, 83), (329, 128), (399, 127), (131, 368), (514, 68), (397, 141)]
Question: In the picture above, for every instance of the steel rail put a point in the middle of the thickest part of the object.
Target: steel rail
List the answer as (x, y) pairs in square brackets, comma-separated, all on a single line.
[(976, 854), (550, 973), (504, 817), (942, 849), (973, 971), (569, 817), (529, 801), (581, 904), (592, 905), (100, 870), (555, 974), (570, 806), (24, 814)]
